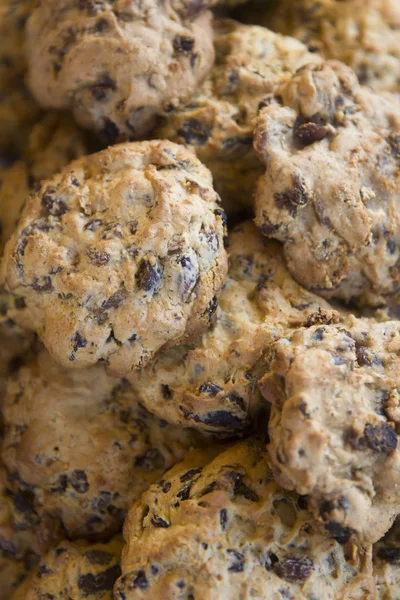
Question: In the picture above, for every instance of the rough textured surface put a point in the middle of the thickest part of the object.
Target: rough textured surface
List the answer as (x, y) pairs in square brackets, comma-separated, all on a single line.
[(81, 447), (365, 34), (387, 564), (74, 571), (18, 111), (212, 385), (335, 410), (119, 64), (332, 186), (218, 122), (119, 255), (220, 527), (51, 144)]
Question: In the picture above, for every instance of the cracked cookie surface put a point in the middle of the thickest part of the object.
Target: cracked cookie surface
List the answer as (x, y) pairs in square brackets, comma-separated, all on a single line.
[(212, 384), (218, 526), (120, 255), (334, 421), (117, 65), (218, 122), (332, 186), (80, 447)]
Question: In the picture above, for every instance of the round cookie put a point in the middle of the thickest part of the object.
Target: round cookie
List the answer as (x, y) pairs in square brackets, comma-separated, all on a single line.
[(335, 412), (332, 186), (82, 446), (386, 558), (52, 143), (364, 34), (118, 65), (218, 122), (74, 570), (218, 526), (18, 111), (212, 385), (119, 255)]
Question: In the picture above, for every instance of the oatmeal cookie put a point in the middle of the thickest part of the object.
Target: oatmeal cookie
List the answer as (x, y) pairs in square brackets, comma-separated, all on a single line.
[(82, 446), (212, 385), (386, 558), (119, 255), (219, 526), (335, 420), (330, 192), (218, 122), (364, 34), (117, 65), (74, 571)]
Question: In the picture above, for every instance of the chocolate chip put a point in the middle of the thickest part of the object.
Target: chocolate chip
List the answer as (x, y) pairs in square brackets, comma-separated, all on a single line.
[(93, 225), (270, 561), (339, 533), (308, 133), (157, 521), (183, 44), (78, 340), (294, 568), (237, 565), (190, 474), (194, 131), (223, 419), (149, 276), (381, 438), (292, 198), (99, 258), (54, 206), (79, 481), (212, 307), (104, 581), (113, 301), (211, 389), (166, 391), (98, 557), (241, 489), (224, 217), (140, 580)]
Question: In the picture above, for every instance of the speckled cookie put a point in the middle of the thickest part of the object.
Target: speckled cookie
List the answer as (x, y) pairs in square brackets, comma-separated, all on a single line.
[(332, 185), (219, 526), (218, 123), (82, 446), (335, 414), (120, 255), (74, 571), (386, 558), (212, 385), (18, 111), (52, 143), (364, 34), (117, 65)]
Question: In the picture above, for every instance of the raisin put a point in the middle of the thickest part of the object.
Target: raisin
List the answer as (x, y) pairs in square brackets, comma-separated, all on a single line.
[(93, 225), (189, 277), (339, 533), (78, 340), (104, 581), (237, 565), (292, 198), (221, 418), (149, 276), (190, 474), (294, 568), (381, 438), (99, 258), (211, 389), (194, 131), (53, 205), (241, 489), (166, 391), (270, 561), (113, 301), (367, 358), (140, 580), (183, 44), (79, 481), (308, 133)]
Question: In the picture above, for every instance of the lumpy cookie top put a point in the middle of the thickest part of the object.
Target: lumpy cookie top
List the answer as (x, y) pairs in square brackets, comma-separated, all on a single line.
[(332, 185), (81, 447), (335, 408), (119, 64), (218, 122), (212, 385), (119, 255), (364, 34), (387, 564), (74, 570), (219, 526)]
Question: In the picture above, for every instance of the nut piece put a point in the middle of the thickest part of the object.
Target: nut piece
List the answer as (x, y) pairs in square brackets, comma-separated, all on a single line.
[(119, 255), (117, 65)]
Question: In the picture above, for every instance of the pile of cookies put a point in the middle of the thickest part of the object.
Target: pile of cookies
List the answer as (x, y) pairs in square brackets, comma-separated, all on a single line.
[(200, 299)]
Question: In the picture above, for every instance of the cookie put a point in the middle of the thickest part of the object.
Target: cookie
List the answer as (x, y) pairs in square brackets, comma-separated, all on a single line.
[(218, 526), (82, 447), (218, 122), (386, 559), (12, 573), (364, 34), (119, 255), (335, 410), (212, 385), (18, 111), (74, 570), (118, 65), (15, 342), (332, 185), (51, 144)]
